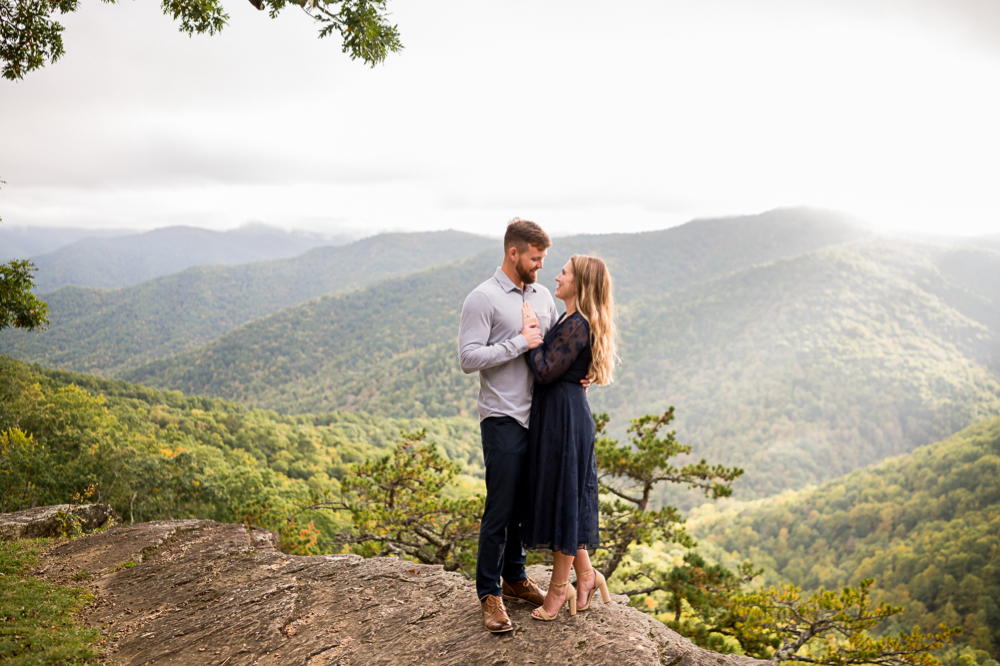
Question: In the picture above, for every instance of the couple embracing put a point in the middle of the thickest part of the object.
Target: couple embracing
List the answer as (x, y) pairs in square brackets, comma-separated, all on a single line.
[(537, 430)]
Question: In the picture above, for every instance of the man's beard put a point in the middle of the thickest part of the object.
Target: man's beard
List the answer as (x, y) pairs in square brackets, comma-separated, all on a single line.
[(527, 277)]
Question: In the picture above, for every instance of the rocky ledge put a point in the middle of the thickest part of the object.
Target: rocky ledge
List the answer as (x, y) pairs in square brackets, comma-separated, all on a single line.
[(50, 521), (201, 592)]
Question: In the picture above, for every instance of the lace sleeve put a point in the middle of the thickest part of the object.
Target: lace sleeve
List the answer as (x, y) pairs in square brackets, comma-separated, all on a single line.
[(549, 361)]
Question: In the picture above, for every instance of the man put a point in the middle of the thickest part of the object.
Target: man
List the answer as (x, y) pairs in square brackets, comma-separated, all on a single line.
[(491, 340)]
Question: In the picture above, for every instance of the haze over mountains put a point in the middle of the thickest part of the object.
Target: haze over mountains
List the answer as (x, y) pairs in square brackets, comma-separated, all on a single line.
[(27, 242), (792, 343), (104, 332), (373, 350), (799, 370), (830, 363), (807, 368), (990, 241), (120, 261)]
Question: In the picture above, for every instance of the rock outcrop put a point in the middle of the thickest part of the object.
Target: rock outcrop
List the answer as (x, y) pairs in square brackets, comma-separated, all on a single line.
[(200, 592), (50, 521)]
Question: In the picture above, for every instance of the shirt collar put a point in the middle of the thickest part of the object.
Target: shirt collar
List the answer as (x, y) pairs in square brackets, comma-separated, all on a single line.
[(507, 285)]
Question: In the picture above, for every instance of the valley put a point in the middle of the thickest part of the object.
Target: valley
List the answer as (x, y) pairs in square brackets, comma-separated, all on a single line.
[(855, 378)]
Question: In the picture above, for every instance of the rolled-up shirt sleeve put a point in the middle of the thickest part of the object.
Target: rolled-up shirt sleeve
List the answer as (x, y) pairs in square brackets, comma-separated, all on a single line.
[(474, 351)]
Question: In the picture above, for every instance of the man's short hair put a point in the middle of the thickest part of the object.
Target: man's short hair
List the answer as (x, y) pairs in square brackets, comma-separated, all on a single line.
[(522, 233)]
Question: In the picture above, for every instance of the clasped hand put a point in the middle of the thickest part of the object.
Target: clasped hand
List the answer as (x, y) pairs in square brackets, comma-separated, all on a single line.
[(529, 328), (533, 334)]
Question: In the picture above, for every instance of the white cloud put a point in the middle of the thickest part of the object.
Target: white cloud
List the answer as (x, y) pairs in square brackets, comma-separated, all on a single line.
[(580, 117)]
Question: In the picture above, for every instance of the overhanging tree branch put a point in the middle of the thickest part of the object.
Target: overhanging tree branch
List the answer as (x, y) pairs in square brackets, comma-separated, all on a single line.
[(30, 35)]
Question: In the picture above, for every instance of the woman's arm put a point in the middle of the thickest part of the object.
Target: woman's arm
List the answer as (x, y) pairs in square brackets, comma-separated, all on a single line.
[(553, 358)]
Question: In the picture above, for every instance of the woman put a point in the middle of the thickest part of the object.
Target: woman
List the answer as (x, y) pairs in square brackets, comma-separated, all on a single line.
[(561, 511)]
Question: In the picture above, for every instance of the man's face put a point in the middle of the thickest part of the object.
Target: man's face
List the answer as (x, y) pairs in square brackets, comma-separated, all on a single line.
[(528, 263)]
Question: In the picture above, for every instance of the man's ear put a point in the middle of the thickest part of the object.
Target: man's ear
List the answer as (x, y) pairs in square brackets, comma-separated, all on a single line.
[(512, 254)]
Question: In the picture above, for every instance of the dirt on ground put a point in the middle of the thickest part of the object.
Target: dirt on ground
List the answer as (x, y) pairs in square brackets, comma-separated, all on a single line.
[(201, 592)]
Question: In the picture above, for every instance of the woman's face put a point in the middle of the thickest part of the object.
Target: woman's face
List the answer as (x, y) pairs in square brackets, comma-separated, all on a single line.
[(566, 283)]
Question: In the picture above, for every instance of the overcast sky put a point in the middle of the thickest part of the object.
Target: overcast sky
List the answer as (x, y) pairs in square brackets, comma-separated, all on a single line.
[(583, 116)]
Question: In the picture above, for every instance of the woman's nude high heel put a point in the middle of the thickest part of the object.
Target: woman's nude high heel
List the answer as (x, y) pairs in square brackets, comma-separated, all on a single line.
[(599, 583), (540, 614)]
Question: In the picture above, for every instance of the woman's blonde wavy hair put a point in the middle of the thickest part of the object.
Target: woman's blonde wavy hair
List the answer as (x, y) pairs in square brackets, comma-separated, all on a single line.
[(596, 302)]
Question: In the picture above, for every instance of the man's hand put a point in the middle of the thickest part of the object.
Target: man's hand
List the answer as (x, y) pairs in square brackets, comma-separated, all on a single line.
[(529, 328), (586, 382)]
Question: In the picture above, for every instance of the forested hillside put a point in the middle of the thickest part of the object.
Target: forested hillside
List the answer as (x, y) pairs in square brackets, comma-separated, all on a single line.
[(406, 363), (104, 332), (925, 526), (799, 370), (792, 344), (119, 261), (654, 263), (366, 350), (807, 368), (159, 454)]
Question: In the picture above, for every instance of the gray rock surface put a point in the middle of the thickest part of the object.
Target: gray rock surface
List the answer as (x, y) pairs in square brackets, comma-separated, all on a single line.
[(49, 521), (200, 592)]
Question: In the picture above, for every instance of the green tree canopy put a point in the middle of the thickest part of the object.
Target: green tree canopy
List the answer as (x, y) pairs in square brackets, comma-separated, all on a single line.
[(399, 506), (830, 628), (628, 474), (19, 308), (30, 35)]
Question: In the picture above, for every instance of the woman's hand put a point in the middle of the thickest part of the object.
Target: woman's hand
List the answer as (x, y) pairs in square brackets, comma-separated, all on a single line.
[(529, 328)]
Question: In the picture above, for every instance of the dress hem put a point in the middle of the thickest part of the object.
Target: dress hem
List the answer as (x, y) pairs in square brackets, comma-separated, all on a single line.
[(582, 546)]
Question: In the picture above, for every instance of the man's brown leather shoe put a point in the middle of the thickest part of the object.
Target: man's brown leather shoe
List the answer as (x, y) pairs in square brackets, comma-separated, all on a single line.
[(495, 616), (525, 590)]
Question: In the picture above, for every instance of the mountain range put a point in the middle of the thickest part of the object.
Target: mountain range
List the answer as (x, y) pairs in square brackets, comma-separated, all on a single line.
[(830, 363), (806, 368), (924, 525), (379, 349), (106, 331), (798, 370), (21, 242), (118, 261), (793, 343)]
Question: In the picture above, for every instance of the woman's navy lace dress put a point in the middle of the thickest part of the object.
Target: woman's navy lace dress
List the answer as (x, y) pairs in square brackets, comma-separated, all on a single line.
[(561, 509)]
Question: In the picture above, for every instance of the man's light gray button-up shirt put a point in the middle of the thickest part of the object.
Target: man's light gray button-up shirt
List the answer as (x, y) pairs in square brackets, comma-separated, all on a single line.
[(490, 341)]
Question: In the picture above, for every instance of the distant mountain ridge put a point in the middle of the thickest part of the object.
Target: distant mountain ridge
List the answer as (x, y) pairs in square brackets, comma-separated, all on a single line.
[(656, 262), (23, 242), (339, 349), (120, 261), (812, 365), (105, 332), (809, 367), (426, 306)]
